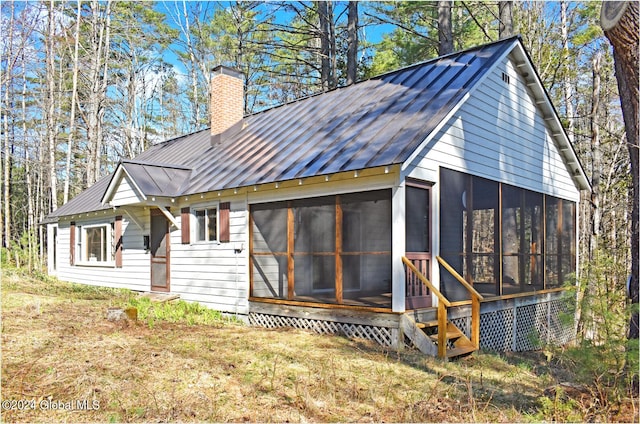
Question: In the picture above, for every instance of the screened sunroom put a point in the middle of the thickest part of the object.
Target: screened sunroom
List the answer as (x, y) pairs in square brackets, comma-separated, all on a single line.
[(330, 250), (503, 239)]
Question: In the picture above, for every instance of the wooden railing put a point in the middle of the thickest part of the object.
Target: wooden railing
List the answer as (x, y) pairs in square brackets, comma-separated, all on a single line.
[(417, 294), (475, 301), (443, 304)]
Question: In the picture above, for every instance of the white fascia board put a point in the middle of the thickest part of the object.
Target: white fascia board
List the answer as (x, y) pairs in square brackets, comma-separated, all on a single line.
[(115, 183), (551, 118)]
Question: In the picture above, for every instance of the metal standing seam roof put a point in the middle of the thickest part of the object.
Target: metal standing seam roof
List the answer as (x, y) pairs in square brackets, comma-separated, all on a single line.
[(376, 122), (157, 179)]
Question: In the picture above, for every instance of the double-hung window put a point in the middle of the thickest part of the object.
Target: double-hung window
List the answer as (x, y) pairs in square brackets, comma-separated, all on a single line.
[(206, 224)]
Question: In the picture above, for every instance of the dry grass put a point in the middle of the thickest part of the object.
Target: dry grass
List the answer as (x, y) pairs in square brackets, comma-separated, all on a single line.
[(58, 348)]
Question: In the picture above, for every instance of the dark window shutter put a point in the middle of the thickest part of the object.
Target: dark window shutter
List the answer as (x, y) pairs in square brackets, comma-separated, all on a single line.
[(225, 233), (185, 214), (72, 243), (118, 238)]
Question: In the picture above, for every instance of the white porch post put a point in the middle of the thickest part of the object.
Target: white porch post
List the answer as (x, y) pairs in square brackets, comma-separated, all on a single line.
[(435, 239), (398, 241)]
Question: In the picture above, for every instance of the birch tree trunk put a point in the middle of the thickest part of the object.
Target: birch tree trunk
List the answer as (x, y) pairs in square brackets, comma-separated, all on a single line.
[(186, 30), (98, 79), (72, 117), (505, 12), (595, 160), (27, 171), (6, 227), (51, 106), (619, 20)]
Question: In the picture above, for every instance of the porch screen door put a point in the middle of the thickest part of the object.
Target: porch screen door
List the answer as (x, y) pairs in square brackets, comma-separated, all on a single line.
[(159, 244), (418, 243)]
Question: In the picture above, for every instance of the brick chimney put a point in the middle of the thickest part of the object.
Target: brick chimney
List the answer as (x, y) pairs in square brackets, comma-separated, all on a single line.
[(227, 102)]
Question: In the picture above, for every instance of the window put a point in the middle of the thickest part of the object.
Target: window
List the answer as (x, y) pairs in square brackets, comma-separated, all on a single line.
[(206, 224), (96, 244)]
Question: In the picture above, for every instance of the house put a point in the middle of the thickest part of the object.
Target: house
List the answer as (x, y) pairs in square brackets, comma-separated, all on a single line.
[(433, 206)]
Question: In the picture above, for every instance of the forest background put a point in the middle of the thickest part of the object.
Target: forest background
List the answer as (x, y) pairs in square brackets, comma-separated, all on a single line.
[(87, 83)]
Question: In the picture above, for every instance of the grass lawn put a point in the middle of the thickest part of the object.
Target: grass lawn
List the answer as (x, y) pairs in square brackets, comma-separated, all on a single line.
[(179, 362)]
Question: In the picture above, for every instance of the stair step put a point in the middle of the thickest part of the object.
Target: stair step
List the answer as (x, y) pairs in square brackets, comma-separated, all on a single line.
[(460, 351), (452, 333), (427, 324)]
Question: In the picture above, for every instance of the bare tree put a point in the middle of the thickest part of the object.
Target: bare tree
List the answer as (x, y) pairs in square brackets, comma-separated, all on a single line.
[(596, 159), (505, 13), (567, 85), (183, 22), (6, 80), (327, 45), (51, 117), (74, 97), (97, 76), (445, 28), (352, 42)]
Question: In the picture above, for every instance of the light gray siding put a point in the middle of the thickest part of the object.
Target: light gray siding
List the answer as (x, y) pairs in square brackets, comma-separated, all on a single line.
[(126, 194), (133, 275), (214, 274), (500, 134)]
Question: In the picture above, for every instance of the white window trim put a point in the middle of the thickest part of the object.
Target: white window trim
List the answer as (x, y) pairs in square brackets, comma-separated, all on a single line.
[(194, 222), (81, 237), (53, 248)]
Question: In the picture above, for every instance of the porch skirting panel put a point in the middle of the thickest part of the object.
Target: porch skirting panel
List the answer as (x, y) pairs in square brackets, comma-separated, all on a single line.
[(381, 328), (513, 324), (522, 323)]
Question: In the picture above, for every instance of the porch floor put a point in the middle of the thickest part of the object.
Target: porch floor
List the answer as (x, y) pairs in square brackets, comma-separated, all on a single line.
[(382, 300)]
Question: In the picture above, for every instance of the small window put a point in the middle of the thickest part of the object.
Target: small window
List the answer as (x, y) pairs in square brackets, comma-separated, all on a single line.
[(505, 78), (95, 245), (206, 224)]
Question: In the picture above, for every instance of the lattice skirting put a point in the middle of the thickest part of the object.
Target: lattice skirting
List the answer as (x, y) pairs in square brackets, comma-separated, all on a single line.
[(381, 335), (520, 324), (524, 327)]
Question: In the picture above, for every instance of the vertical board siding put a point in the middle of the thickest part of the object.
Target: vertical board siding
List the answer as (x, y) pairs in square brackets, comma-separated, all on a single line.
[(500, 134), (225, 235), (185, 225)]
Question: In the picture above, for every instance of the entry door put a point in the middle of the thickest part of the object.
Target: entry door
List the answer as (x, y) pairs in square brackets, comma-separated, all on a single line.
[(159, 244), (418, 243)]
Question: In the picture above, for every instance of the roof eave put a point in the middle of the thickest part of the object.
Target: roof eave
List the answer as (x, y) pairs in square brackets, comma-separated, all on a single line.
[(552, 120), (115, 182)]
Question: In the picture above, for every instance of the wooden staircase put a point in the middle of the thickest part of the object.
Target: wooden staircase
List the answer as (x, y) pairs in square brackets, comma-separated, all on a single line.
[(458, 344), (433, 333)]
